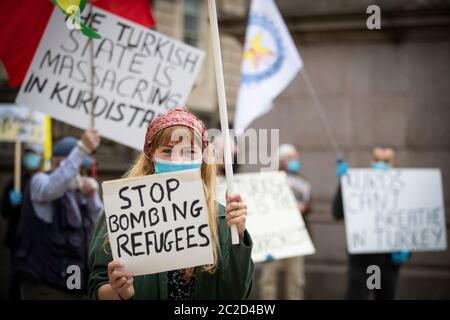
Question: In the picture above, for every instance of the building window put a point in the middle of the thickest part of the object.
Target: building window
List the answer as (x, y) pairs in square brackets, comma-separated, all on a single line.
[(192, 12)]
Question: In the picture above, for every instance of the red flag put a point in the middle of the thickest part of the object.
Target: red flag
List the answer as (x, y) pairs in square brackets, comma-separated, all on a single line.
[(138, 11), (22, 23)]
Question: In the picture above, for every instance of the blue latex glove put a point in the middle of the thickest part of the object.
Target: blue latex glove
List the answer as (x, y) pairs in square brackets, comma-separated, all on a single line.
[(341, 167), (269, 258), (15, 197), (400, 257)]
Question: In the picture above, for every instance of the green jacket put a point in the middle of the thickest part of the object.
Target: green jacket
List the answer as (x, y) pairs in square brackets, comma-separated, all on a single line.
[(232, 279)]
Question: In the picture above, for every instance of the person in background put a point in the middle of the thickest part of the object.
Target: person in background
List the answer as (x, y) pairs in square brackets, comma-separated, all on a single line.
[(58, 215), (389, 263), (294, 267), (12, 204)]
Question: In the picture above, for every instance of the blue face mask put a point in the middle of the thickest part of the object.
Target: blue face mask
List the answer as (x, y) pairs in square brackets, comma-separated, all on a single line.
[(163, 166), (293, 165), (31, 161), (380, 165)]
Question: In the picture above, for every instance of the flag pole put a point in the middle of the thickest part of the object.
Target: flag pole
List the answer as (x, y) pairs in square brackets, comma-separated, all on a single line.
[(318, 106), (222, 107), (91, 53), (92, 118), (17, 165), (47, 143)]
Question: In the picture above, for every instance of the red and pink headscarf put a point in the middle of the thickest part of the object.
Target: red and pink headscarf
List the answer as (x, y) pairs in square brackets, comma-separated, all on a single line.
[(174, 117)]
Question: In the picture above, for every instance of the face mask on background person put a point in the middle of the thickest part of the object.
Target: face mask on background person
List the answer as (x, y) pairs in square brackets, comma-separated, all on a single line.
[(163, 166), (380, 165), (31, 161), (294, 166)]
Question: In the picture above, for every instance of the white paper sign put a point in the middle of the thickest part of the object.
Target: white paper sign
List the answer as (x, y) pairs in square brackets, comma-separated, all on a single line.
[(139, 74), (393, 210), (22, 124), (159, 222), (273, 217)]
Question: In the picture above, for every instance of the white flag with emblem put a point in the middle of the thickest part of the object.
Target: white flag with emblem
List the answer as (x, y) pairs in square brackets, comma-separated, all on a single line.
[(270, 62)]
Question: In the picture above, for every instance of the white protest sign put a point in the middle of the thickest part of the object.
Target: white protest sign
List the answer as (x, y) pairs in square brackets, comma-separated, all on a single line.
[(21, 124), (393, 210), (273, 217), (159, 222), (139, 74)]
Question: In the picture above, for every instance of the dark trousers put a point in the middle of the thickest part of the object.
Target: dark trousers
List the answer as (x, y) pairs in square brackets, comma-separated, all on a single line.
[(14, 285), (32, 290), (357, 276)]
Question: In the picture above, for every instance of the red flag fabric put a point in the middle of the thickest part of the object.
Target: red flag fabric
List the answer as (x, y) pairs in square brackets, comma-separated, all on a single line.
[(22, 23)]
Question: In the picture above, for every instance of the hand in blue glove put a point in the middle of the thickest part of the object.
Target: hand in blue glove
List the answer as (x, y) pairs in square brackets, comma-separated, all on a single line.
[(15, 197), (341, 167), (400, 257), (269, 258)]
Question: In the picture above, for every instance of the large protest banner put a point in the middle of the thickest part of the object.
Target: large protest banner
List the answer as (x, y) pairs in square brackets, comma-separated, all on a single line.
[(273, 217), (393, 210), (139, 74), (158, 222), (21, 124)]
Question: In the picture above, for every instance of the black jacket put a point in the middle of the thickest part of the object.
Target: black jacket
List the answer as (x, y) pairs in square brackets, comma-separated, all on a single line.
[(338, 207), (12, 213)]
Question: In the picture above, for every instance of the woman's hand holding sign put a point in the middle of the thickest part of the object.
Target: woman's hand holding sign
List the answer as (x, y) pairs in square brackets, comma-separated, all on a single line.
[(236, 212), (120, 281)]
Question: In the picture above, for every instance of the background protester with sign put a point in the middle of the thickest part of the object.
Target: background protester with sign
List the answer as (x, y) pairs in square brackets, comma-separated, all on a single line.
[(12, 205), (295, 266), (231, 274), (389, 264), (58, 214)]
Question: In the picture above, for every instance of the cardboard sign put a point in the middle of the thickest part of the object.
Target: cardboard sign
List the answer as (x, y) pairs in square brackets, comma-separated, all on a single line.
[(139, 74), (393, 210), (21, 124), (159, 222), (273, 217)]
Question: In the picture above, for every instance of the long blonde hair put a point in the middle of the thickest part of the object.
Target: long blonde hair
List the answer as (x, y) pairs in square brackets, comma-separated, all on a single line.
[(143, 166)]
